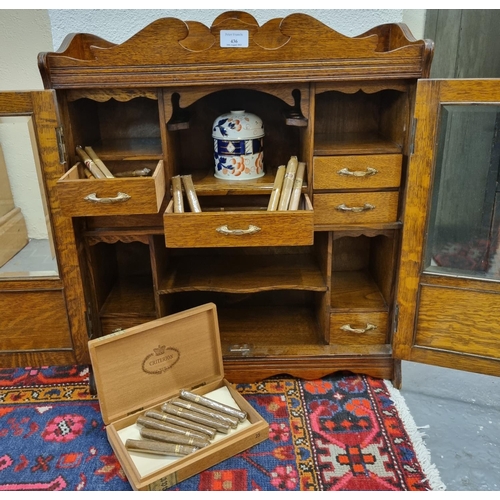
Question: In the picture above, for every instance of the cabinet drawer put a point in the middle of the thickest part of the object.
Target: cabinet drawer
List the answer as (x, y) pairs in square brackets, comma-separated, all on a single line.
[(358, 328), (356, 208), (357, 172), (245, 228), (80, 196)]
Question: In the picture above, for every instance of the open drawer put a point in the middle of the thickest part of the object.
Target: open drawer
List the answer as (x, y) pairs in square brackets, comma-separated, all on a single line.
[(239, 221), (80, 196)]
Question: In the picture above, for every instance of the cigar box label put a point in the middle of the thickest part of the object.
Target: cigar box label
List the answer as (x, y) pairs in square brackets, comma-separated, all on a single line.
[(160, 359), (164, 483)]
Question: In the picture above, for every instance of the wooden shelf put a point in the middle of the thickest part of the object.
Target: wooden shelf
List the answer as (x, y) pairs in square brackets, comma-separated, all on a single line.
[(133, 296), (355, 291), (353, 144), (280, 332), (241, 273), (208, 185)]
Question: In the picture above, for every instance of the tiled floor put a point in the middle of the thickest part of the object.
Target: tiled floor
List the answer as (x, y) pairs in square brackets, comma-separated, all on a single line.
[(462, 411)]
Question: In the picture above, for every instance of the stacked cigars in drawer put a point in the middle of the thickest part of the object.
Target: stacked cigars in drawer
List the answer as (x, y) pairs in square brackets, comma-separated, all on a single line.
[(285, 194), (184, 425), (287, 186)]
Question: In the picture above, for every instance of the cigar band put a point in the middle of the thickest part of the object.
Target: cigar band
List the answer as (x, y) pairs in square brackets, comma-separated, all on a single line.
[(289, 175)]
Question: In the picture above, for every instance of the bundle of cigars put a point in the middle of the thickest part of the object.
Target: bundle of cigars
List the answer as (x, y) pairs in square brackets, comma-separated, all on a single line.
[(96, 169), (178, 181), (287, 186), (184, 425)]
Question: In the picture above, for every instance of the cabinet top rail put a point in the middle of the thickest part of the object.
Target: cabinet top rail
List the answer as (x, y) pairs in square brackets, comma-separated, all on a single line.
[(235, 48)]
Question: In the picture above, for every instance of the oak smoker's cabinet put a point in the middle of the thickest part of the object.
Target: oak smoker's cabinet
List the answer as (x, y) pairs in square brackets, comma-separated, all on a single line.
[(349, 280)]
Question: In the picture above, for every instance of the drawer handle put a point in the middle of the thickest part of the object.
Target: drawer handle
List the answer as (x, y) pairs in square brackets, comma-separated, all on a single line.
[(364, 208), (349, 328), (358, 173), (119, 198), (238, 232)]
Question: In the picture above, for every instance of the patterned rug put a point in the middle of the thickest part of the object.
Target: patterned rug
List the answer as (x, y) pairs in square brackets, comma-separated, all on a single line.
[(342, 433)]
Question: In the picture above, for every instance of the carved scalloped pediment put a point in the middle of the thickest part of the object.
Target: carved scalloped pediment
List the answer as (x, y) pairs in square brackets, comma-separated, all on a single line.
[(298, 47), (172, 41)]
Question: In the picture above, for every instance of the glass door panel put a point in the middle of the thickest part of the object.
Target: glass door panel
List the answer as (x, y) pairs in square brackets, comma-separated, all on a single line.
[(26, 241), (463, 231)]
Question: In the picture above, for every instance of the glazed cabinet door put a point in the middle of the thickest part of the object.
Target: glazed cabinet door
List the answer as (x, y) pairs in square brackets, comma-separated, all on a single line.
[(449, 283), (42, 312)]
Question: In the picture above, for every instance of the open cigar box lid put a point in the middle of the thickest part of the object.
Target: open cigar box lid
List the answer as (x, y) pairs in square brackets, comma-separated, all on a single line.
[(145, 365)]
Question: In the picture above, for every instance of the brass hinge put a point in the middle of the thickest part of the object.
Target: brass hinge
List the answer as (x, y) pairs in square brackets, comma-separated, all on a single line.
[(395, 319), (412, 135), (61, 147)]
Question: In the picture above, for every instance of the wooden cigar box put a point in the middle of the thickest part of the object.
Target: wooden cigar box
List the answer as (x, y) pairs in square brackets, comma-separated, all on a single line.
[(141, 368)]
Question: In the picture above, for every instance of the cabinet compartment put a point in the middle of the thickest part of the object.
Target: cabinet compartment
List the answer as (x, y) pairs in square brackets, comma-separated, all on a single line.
[(264, 296), (191, 144), (123, 284), (356, 208), (356, 172), (118, 124), (362, 280), (360, 122), (80, 196), (236, 221)]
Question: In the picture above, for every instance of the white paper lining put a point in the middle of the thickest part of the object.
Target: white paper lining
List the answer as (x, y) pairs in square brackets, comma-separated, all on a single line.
[(147, 464)]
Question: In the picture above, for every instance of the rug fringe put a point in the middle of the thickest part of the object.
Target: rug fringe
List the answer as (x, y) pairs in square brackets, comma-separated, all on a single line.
[(423, 454)]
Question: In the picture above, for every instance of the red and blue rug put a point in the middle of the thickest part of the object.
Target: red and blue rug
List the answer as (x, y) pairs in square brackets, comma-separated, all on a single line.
[(340, 433)]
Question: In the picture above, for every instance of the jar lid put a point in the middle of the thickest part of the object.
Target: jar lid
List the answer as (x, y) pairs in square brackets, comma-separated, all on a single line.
[(237, 125)]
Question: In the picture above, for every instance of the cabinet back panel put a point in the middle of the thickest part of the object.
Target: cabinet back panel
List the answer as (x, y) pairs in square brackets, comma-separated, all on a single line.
[(195, 144)]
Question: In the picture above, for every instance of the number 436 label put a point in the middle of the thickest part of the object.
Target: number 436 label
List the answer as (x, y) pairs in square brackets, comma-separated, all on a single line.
[(230, 38)]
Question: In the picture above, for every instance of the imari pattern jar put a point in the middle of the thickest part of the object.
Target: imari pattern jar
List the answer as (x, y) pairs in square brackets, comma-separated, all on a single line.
[(238, 146)]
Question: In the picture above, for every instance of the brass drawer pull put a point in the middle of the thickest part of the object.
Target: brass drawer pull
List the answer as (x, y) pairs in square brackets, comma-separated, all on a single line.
[(238, 232), (364, 208), (358, 173), (119, 198), (349, 328)]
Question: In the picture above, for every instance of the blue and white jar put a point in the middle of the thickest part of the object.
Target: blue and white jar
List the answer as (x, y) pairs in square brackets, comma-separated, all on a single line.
[(238, 146)]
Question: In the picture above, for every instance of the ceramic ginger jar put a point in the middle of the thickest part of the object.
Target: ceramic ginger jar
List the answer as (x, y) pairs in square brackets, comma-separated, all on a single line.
[(238, 146)]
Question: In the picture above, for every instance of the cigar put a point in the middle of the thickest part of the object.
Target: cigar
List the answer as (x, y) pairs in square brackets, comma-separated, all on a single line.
[(297, 187), (157, 448), (161, 425), (177, 191), (195, 417), (142, 172), (89, 163), (194, 204), (288, 181), (182, 422), (170, 437), (88, 173), (221, 417), (275, 194), (215, 405), (98, 162)]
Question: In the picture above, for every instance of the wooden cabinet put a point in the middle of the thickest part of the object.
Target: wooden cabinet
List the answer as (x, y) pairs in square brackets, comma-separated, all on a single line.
[(339, 283)]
